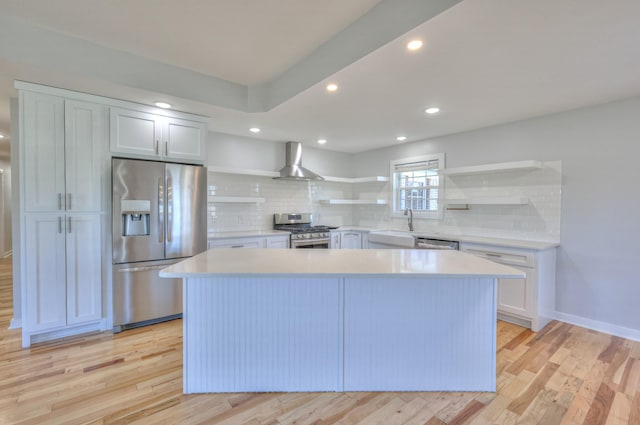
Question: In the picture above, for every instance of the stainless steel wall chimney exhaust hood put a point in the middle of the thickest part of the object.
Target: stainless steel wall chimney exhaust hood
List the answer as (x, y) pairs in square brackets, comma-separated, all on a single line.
[(293, 169)]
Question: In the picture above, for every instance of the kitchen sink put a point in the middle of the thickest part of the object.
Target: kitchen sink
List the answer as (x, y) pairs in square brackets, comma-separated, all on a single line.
[(392, 237)]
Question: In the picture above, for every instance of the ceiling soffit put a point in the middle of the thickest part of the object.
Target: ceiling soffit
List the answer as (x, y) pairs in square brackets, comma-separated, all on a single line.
[(28, 44)]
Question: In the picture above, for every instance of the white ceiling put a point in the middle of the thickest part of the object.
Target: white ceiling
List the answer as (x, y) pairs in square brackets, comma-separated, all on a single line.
[(264, 63)]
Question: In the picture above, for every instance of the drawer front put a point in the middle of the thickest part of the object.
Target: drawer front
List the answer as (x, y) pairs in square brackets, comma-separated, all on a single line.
[(237, 243), (516, 257)]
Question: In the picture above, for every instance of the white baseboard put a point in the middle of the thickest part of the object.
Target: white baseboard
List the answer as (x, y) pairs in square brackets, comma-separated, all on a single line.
[(28, 338), (596, 325), (15, 323), (8, 254)]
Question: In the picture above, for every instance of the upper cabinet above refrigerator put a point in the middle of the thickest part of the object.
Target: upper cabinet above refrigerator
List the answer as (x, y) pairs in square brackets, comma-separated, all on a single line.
[(146, 135)]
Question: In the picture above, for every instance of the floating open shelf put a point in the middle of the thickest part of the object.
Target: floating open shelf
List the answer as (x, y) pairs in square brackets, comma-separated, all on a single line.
[(489, 168), (354, 201), (488, 201)]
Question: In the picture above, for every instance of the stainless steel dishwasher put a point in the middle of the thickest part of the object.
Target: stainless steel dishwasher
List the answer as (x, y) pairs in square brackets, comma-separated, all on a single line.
[(430, 243)]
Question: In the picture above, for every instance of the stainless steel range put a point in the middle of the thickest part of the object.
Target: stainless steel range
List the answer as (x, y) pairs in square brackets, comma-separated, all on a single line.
[(303, 233)]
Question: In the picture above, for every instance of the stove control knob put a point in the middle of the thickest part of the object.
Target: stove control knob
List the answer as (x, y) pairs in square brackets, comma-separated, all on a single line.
[(325, 235)]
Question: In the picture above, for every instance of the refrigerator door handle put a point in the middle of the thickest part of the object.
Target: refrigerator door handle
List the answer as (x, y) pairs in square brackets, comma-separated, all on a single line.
[(160, 210), (169, 209)]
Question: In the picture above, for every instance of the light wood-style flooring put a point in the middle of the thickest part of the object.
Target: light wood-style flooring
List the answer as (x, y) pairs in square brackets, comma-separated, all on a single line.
[(562, 375)]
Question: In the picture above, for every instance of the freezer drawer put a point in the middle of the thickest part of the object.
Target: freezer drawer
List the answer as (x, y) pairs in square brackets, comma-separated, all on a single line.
[(141, 296)]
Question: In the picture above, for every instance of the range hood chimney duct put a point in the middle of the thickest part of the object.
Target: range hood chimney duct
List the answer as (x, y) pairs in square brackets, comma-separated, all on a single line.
[(293, 169)]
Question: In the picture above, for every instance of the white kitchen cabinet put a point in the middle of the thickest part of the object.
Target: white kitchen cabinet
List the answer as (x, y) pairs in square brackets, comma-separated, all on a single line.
[(349, 239), (156, 136), (279, 241), (530, 301), (264, 241), (83, 137), (61, 179), (334, 242), (251, 242), (63, 272), (43, 151), (44, 273), (83, 264), (61, 147)]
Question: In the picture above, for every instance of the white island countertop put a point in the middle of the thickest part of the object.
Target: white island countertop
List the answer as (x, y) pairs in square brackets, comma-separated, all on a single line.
[(366, 262)]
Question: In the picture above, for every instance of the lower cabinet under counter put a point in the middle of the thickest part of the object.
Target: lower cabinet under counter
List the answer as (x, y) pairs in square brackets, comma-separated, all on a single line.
[(528, 302), (263, 241)]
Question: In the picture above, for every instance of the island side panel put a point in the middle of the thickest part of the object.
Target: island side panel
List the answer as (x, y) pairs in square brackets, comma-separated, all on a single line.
[(251, 334), (420, 334)]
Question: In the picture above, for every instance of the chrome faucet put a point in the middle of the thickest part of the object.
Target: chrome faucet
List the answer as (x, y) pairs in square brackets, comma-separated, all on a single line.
[(410, 219)]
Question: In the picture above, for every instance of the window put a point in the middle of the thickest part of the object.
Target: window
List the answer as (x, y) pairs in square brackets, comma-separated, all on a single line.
[(417, 185)]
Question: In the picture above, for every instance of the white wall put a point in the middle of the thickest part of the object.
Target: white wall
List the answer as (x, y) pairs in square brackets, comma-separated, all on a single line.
[(600, 223), (226, 150)]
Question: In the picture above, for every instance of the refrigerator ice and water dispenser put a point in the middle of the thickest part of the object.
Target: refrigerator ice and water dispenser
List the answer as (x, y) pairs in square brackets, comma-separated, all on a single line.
[(136, 216)]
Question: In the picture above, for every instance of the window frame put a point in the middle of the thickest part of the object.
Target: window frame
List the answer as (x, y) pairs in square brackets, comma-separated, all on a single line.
[(437, 214)]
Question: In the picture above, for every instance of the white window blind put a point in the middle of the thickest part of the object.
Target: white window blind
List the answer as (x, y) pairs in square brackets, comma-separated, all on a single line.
[(417, 185)]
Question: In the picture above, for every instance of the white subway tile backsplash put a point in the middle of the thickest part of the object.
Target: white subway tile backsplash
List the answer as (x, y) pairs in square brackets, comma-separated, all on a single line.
[(538, 220), (280, 196)]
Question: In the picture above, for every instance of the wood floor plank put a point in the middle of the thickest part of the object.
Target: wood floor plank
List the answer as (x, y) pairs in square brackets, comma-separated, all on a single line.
[(634, 411), (363, 410), (523, 336), (561, 375), (467, 413), (599, 410), (620, 410), (524, 399), (612, 349)]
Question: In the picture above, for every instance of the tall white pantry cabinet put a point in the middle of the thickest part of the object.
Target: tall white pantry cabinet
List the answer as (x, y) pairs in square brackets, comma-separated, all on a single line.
[(62, 147)]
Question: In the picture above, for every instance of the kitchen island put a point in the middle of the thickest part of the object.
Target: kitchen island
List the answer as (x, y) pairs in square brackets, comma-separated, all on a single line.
[(338, 320)]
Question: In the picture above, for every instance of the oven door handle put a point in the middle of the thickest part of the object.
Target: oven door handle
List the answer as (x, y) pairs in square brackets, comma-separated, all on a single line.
[(306, 242)]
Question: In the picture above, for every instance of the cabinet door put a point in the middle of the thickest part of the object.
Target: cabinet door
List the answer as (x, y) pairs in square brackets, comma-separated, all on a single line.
[(42, 124), (515, 296), (83, 137), (44, 259), (184, 139), (84, 268), (134, 132), (351, 240), (335, 240), (277, 242)]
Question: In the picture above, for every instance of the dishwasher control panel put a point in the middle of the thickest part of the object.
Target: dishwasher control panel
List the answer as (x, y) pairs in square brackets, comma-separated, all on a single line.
[(429, 243)]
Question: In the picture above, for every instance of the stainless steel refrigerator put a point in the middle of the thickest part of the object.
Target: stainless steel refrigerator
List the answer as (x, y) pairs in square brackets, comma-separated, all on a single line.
[(159, 218)]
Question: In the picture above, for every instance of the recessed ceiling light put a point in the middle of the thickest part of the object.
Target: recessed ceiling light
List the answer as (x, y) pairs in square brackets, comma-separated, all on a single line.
[(414, 44), (433, 110), (401, 138), (322, 141), (332, 87), (1, 136), (163, 105), (254, 130)]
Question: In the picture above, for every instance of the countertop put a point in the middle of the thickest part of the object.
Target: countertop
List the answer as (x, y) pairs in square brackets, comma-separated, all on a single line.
[(246, 234), (511, 243), (369, 262)]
